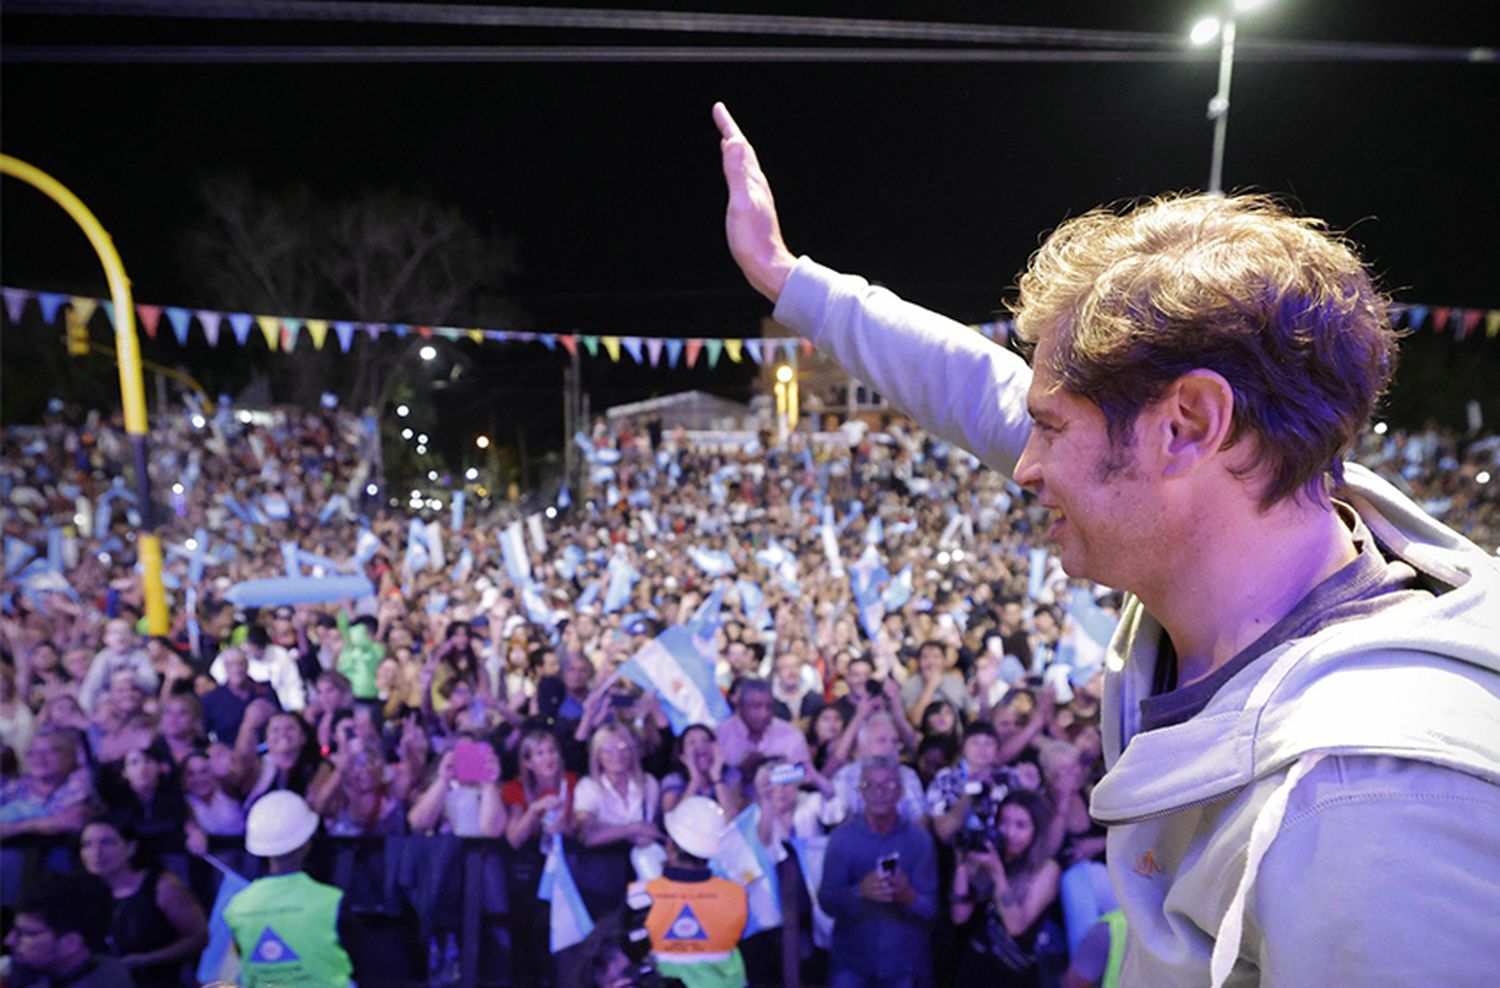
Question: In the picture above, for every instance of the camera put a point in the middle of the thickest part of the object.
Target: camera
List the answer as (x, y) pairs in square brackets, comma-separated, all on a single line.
[(966, 841), (874, 687)]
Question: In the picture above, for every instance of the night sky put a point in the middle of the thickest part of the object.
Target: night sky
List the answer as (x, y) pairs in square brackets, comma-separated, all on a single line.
[(936, 180)]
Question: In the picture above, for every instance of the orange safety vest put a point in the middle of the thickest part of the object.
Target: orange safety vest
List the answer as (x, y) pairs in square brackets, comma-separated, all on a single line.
[(695, 921)]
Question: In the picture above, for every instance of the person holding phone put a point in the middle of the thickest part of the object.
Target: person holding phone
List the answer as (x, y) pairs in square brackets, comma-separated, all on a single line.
[(880, 886)]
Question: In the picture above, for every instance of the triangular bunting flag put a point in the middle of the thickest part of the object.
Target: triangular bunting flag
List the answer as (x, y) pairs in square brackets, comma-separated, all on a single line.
[(317, 331), (807, 347), (401, 329), (653, 350), (180, 319), (423, 331), (15, 304), (1467, 323), (209, 320), (109, 311), (1492, 323), (549, 340), (633, 347), (611, 347), (270, 328), (240, 323), (674, 351), (732, 347), (83, 308), (477, 335), (1415, 316), (570, 344), (1439, 318), (591, 344), (752, 347), (50, 303), (715, 347), (694, 347), (345, 332), (372, 329), (149, 316), (290, 327)]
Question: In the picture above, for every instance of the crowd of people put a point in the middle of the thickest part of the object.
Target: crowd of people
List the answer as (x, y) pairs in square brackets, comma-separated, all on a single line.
[(912, 685)]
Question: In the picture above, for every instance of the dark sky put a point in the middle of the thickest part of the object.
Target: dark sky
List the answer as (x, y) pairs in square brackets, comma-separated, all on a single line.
[(934, 179)]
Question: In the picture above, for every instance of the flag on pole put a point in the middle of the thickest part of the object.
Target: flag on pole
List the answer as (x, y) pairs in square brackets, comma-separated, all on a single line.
[(743, 859), (622, 577), (711, 561), (570, 920), (704, 623), (513, 549), (219, 962), (671, 666)]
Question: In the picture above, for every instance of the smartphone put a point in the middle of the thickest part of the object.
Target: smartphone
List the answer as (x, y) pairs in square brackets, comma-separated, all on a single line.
[(973, 788), (887, 864), (787, 775), (472, 762)]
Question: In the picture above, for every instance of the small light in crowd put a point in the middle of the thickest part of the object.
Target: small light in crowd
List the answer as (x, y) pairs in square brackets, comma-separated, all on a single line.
[(416, 495), (943, 558), (435, 504), (407, 433), (1482, 476), (80, 520), (472, 473), (177, 488), (199, 421), (191, 545), (1204, 31), (402, 411), (245, 417), (432, 475), (105, 558), (650, 553), (482, 491), (395, 503), (1380, 428), (958, 555), (482, 441), (551, 512), (422, 438), (421, 450), (372, 489), (784, 374), (428, 352)]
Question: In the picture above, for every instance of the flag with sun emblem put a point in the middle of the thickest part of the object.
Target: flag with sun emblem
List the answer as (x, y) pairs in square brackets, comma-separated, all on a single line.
[(671, 666)]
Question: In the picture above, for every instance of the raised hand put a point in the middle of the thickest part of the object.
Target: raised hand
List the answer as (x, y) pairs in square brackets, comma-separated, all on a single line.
[(751, 225)]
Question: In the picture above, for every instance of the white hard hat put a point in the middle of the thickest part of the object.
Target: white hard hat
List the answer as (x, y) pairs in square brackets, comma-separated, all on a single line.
[(697, 825), (279, 823)]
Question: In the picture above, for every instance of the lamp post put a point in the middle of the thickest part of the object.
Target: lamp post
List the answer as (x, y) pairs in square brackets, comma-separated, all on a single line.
[(1218, 107)]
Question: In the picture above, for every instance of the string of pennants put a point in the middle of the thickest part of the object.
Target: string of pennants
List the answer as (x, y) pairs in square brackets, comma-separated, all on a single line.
[(284, 333)]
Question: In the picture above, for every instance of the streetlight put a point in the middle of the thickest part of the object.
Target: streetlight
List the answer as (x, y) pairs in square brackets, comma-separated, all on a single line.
[(428, 352), (402, 411), (786, 399), (1218, 108), (482, 441)]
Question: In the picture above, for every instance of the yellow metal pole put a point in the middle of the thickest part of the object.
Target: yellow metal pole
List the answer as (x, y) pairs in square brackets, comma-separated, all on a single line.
[(132, 388)]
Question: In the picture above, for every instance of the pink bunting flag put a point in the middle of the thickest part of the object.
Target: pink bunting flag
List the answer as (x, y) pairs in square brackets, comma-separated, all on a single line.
[(1470, 320), (15, 304), (1439, 318), (653, 350), (570, 343), (694, 347), (149, 316)]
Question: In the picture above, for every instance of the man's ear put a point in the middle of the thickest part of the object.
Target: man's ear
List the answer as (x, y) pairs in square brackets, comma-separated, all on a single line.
[(1197, 415)]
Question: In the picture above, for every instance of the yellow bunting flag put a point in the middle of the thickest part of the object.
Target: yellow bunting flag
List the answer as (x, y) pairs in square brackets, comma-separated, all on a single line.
[(270, 328), (318, 330), (83, 308), (477, 335), (732, 347), (1492, 323), (611, 347)]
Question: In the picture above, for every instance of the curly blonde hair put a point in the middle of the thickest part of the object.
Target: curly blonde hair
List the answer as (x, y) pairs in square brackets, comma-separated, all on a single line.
[(1279, 306)]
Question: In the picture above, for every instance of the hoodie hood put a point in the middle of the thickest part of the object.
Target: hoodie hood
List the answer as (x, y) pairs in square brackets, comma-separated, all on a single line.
[(1420, 680)]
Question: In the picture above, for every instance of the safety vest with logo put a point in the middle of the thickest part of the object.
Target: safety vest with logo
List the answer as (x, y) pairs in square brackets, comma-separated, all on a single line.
[(286, 929), (695, 928)]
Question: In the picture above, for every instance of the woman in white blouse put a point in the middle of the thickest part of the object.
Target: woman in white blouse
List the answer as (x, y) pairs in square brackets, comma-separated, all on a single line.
[(617, 800)]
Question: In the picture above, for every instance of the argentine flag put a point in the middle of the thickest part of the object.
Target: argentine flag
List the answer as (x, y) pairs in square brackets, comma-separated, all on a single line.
[(704, 623), (219, 962), (682, 678), (621, 579), (571, 922), (743, 859), (513, 549), (713, 562)]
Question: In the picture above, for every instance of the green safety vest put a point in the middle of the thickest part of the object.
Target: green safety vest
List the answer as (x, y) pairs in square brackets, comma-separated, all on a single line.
[(286, 929), (1116, 920)]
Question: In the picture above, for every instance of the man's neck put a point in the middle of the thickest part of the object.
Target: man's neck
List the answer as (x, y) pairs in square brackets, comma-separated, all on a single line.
[(1237, 576), (883, 823)]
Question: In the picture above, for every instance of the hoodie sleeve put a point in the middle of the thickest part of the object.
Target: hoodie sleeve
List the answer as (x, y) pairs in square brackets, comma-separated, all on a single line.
[(1385, 871), (955, 383)]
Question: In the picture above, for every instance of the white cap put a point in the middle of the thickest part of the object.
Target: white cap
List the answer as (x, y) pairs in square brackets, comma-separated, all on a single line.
[(697, 824), (279, 823)]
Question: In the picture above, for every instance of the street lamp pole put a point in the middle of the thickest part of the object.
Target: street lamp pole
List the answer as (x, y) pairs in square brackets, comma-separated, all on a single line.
[(1218, 107)]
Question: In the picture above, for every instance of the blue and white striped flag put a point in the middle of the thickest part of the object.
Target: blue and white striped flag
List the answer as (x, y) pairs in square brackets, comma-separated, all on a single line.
[(464, 567), (219, 962), (456, 519), (682, 678), (711, 561), (570, 921), (704, 624), (366, 546), (513, 549), (622, 577), (568, 562), (1036, 576), (743, 859), (589, 595), (898, 591), (753, 603), (875, 532)]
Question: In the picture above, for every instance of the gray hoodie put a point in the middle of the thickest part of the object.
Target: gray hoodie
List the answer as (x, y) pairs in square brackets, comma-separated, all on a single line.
[(1333, 815)]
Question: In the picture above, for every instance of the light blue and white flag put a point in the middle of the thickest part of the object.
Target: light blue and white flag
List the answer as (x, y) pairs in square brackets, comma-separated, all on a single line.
[(456, 518), (753, 603), (17, 554), (568, 562), (743, 859), (856, 510), (513, 549), (875, 532), (1036, 575), (564, 498), (589, 595), (867, 578), (902, 528), (570, 921), (811, 853), (714, 562), (682, 678), (704, 624), (537, 609), (366, 546), (417, 556), (620, 580), (831, 544), (782, 564), (1084, 643), (898, 591), (219, 962), (464, 568)]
